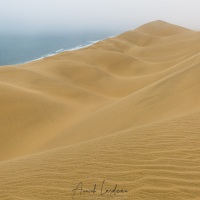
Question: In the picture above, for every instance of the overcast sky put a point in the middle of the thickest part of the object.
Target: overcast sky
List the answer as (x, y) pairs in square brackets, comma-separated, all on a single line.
[(36, 16)]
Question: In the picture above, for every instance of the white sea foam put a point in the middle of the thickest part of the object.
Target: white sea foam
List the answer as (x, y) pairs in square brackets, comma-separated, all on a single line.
[(83, 46), (94, 41), (40, 58), (89, 43), (50, 54), (60, 50)]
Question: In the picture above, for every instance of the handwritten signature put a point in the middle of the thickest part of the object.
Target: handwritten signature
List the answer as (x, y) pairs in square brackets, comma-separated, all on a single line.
[(79, 190)]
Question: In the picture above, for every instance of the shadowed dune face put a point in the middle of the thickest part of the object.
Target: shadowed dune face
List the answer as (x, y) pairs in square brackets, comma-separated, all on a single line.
[(124, 110)]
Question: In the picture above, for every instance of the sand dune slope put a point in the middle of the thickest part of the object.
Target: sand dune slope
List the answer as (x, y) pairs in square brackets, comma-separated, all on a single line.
[(158, 161), (123, 111)]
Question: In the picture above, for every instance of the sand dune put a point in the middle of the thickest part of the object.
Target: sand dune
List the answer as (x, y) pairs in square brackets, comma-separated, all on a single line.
[(123, 111)]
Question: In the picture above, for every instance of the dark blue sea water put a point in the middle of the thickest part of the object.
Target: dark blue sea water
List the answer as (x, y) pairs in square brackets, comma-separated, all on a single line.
[(16, 49)]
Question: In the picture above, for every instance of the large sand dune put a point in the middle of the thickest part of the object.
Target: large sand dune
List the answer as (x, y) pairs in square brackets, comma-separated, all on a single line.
[(125, 110)]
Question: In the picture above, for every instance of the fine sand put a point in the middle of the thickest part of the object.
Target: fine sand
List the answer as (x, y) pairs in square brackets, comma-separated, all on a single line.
[(123, 111)]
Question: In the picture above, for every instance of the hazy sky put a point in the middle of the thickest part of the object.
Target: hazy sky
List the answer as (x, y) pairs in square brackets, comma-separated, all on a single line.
[(38, 16)]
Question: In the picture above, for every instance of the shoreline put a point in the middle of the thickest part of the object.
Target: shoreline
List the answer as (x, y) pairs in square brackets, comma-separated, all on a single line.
[(89, 43)]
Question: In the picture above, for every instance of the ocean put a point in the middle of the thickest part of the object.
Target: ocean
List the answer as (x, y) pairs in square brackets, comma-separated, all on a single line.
[(17, 49)]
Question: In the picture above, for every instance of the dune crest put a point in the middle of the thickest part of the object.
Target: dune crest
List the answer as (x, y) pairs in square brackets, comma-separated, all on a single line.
[(123, 111)]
